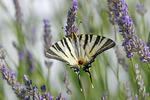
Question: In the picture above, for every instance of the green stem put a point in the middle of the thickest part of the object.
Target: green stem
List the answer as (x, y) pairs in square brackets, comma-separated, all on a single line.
[(148, 65), (118, 75), (48, 79), (115, 33), (144, 27)]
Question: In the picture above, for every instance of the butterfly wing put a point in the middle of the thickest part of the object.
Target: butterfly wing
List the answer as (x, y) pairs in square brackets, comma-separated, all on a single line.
[(63, 50), (85, 47), (92, 45)]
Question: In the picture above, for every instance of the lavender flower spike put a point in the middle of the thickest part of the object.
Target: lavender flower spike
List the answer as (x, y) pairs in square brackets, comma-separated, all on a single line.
[(140, 8), (25, 91), (105, 97), (18, 12), (9, 76), (47, 35), (71, 27), (128, 93), (47, 39), (140, 82), (121, 59), (132, 45), (60, 97)]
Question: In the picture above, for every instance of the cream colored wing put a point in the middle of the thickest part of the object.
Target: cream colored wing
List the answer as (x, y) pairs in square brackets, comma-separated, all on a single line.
[(63, 50), (92, 45)]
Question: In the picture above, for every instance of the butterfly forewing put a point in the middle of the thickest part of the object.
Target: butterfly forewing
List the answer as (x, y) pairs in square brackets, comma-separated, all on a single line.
[(63, 50)]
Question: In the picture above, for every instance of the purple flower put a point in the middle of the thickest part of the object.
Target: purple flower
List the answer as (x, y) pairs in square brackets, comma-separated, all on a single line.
[(140, 82), (20, 51), (60, 97), (71, 27), (3, 68), (105, 97), (47, 96), (75, 4), (8, 75), (27, 90), (12, 74), (43, 88), (132, 45), (47, 35), (30, 61), (144, 52), (25, 77), (18, 12), (21, 55), (128, 93), (136, 97), (66, 81), (51, 97), (47, 40), (141, 9), (121, 59)]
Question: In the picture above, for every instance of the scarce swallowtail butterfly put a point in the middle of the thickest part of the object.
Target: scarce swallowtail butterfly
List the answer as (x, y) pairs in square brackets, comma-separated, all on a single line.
[(79, 51)]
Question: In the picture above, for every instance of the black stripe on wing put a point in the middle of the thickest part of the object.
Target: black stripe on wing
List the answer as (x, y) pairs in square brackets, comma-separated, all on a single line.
[(91, 36), (85, 41), (62, 42), (75, 44), (52, 54), (54, 47), (107, 45), (60, 49), (80, 37), (66, 43), (96, 42)]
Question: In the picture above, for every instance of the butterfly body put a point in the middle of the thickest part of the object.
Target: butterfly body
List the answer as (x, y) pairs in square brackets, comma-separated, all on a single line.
[(79, 51)]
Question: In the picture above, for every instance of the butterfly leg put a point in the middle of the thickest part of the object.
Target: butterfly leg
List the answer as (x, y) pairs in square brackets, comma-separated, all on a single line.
[(86, 69), (78, 73), (76, 70)]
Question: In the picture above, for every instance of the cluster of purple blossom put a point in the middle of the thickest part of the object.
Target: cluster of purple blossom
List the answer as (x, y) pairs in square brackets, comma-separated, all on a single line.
[(132, 44), (27, 90), (71, 27)]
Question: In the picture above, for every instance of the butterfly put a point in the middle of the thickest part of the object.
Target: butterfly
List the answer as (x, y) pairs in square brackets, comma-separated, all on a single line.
[(79, 51)]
